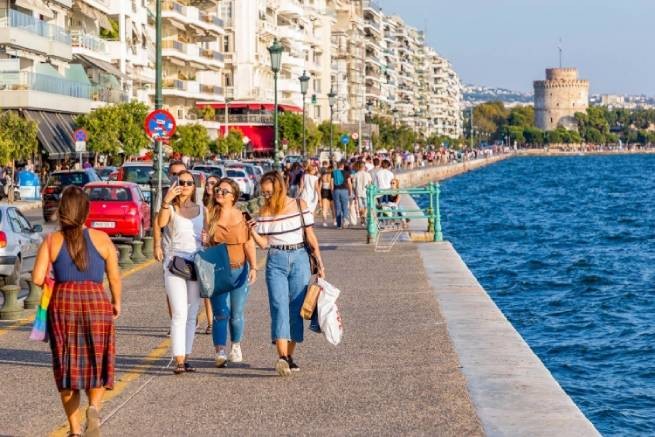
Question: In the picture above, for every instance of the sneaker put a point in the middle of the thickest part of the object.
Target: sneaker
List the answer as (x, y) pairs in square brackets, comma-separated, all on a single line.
[(282, 367), (325, 225), (235, 355), (221, 359), (292, 365)]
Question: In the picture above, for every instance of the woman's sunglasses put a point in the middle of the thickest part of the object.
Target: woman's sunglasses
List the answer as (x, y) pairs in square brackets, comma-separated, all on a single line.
[(211, 182), (222, 191), (186, 183)]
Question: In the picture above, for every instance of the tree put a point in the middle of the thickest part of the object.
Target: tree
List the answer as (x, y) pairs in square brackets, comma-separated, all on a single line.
[(191, 140), (595, 136), (533, 136), (516, 134), (521, 116), (18, 138), (291, 129), (131, 133), (554, 137), (231, 145)]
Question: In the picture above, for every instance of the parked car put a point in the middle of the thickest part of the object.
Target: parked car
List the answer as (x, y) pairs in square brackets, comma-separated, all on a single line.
[(252, 176), (104, 172), (57, 181), (211, 169), (242, 179), (19, 243), (118, 208)]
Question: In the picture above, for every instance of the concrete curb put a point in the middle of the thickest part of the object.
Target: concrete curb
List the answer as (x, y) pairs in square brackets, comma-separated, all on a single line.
[(513, 392)]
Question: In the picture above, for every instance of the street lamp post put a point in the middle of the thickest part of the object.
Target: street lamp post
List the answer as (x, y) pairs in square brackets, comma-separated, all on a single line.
[(275, 50), (304, 85), (227, 121), (332, 100), (369, 110)]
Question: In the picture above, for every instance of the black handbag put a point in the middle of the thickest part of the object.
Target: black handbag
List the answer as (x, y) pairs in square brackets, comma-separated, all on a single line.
[(313, 259), (183, 268)]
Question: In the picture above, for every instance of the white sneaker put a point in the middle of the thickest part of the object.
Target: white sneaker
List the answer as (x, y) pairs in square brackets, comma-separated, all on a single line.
[(282, 367), (235, 355), (221, 358), (324, 225)]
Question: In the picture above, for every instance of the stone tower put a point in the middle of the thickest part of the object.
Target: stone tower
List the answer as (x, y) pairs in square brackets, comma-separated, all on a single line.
[(558, 98)]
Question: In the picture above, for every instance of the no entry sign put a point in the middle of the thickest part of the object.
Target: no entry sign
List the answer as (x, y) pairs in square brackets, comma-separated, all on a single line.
[(160, 125)]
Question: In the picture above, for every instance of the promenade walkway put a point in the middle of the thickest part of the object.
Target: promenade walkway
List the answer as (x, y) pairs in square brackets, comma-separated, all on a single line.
[(395, 372)]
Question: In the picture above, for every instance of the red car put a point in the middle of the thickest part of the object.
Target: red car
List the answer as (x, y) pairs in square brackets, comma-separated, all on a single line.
[(118, 208)]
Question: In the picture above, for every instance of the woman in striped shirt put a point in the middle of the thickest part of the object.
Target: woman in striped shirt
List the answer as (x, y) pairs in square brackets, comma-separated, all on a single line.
[(279, 229)]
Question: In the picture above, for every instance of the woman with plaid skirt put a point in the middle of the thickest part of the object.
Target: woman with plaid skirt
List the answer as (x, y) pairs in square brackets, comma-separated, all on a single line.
[(80, 314)]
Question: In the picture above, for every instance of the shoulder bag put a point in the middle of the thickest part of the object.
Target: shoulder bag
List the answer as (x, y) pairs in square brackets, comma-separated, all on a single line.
[(215, 273), (40, 326), (313, 259)]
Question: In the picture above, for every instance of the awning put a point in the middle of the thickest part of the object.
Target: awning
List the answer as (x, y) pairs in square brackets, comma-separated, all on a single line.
[(253, 106), (94, 14), (100, 64), (55, 132), (37, 6)]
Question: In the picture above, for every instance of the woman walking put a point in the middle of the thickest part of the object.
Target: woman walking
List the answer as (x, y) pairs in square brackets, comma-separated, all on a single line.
[(228, 225), (208, 202), (326, 195), (310, 190), (184, 221), (80, 315), (280, 230)]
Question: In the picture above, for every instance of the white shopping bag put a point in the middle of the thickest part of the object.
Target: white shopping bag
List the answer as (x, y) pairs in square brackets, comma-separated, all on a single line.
[(328, 313), (353, 213)]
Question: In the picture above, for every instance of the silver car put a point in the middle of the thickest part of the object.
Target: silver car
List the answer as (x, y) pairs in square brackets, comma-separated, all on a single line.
[(19, 243)]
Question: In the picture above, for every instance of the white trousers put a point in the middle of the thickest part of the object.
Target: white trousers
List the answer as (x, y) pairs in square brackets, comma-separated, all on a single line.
[(184, 297)]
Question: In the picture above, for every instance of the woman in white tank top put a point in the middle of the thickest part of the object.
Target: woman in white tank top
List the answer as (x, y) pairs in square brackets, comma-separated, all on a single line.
[(184, 221)]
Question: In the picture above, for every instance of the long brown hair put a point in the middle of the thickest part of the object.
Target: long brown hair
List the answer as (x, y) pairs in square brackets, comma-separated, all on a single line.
[(73, 211), (208, 198), (214, 213), (275, 204), (176, 201)]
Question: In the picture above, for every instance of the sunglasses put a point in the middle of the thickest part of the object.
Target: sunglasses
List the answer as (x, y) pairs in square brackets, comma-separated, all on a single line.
[(185, 183), (267, 194), (212, 183), (222, 191)]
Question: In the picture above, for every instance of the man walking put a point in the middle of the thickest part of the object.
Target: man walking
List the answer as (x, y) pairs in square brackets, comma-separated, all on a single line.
[(341, 192), (362, 180)]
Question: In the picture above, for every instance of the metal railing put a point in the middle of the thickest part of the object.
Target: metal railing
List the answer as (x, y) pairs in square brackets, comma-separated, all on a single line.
[(30, 24), (249, 118), (87, 41), (379, 214)]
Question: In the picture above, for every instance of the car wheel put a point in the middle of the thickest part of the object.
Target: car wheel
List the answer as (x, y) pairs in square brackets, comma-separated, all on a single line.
[(14, 277)]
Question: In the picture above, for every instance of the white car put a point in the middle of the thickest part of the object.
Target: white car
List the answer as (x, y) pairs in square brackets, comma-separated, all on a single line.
[(241, 178), (19, 243)]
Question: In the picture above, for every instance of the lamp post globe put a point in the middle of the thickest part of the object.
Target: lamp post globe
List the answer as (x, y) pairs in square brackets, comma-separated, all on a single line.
[(332, 100), (304, 86), (275, 50)]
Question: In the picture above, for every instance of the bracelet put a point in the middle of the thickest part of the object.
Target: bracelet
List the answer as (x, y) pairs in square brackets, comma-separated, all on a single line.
[(167, 205)]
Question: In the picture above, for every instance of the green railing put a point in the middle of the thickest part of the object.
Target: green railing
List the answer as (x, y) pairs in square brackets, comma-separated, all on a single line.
[(377, 214)]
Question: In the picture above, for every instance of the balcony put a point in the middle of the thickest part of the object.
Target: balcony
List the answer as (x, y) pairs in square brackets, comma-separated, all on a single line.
[(191, 89), (290, 33), (41, 91), (192, 53), (266, 119), (289, 8), (26, 32), (90, 45), (267, 28), (190, 15)]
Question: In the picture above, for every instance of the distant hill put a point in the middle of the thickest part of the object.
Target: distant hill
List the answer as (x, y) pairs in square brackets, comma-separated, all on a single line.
[(476, 94)]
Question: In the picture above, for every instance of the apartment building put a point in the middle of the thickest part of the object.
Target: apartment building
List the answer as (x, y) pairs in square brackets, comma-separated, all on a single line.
[(303, 28)]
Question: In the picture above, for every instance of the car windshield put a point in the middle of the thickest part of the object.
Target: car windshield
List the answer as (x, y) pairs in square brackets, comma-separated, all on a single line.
[(235, 174), (109, 194), (138, 174), (64, 179), (216, 171), (104, 172)]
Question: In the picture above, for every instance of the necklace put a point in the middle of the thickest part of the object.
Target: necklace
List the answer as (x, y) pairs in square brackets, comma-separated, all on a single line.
[(187, 204)]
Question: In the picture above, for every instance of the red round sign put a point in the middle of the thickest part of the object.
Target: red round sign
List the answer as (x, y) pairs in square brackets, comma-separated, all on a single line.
[(160, 125)]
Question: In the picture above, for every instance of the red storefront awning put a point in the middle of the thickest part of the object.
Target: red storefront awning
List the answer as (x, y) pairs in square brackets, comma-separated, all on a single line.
[(253, 106)]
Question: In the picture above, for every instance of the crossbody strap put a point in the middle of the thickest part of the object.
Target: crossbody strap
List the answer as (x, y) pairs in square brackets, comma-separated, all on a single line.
[(302, 220)]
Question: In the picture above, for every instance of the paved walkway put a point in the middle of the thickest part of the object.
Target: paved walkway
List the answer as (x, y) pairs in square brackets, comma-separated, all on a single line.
[(394, 373)]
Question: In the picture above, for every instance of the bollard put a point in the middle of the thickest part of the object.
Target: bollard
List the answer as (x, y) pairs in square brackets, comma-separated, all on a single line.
[(137, 255), (124, 260), (12, 309), (34, 297), (148, 247)]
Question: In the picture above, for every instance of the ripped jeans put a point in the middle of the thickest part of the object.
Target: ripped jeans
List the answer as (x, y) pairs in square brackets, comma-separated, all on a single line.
[(228, 307)]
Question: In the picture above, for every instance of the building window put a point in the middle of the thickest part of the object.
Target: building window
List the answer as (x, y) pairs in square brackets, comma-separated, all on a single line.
[(228, 79), (551, 119), (226, 44)]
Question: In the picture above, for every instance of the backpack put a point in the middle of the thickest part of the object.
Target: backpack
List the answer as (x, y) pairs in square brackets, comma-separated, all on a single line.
[(337, 176)]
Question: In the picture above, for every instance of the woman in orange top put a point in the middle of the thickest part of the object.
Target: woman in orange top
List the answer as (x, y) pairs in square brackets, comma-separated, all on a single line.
[(227, 224)]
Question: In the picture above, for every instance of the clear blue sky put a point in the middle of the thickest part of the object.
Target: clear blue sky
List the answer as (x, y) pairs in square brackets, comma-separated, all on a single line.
[(509, 43)]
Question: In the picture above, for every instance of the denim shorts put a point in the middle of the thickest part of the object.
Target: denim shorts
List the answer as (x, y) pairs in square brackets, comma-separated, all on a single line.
[(287, 278)]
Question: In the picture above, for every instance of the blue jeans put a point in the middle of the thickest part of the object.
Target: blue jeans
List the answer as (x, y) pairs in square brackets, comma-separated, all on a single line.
[(341, 205), (229, 306), (287, 277)]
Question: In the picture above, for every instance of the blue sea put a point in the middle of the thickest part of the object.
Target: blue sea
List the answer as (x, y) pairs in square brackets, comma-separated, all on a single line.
[(566, 248)]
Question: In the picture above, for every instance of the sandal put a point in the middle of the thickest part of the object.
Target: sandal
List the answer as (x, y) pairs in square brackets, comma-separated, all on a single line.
[(189, 368), (209, 329), (74, 434), (179, 369)]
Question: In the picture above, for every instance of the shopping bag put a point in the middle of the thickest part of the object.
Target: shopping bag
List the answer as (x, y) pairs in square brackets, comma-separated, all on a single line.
[(328, 313)]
